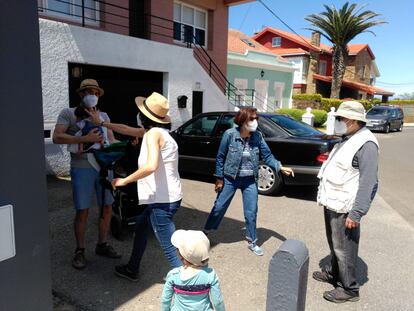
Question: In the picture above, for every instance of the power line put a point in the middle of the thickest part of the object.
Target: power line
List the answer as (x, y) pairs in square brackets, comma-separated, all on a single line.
[(245, 15), (284, 23), (397, 84)]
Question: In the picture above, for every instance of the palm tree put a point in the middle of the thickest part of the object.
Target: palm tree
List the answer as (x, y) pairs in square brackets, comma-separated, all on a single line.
[(340, 27)]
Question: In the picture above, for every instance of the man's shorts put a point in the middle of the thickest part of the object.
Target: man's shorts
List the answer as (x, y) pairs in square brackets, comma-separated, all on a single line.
[(84, 182)]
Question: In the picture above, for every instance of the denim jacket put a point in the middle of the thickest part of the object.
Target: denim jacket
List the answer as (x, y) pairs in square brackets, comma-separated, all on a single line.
[(230, 152)]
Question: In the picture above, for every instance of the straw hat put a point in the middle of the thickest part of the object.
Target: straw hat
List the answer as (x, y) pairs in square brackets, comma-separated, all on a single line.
[(90, 84), (155, 107), (193, 245), (351, 110)]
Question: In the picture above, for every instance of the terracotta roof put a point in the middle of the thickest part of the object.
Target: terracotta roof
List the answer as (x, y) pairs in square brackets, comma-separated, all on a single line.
[(356, 85), (354, 49), (236, 45), (306, 42)]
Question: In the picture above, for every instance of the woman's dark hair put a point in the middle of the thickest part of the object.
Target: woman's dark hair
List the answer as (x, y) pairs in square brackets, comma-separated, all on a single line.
[(244, 114), (147, 123)]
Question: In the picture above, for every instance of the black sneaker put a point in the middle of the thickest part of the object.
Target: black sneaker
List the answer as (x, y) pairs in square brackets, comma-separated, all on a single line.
[(323, 276), (79, 260), (339, 295), (124, 272), (106, 250)]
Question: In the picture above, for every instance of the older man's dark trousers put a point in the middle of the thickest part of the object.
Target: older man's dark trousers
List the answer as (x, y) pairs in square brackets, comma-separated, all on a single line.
[(343, 244)]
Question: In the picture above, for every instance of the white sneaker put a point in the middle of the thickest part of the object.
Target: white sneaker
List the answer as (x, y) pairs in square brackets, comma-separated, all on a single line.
[(255, 249)]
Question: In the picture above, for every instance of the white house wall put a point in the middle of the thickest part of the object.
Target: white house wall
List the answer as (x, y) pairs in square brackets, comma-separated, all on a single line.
[(62, 43)]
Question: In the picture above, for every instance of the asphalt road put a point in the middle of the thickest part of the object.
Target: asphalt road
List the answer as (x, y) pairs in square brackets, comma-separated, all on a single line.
[(396, 171)]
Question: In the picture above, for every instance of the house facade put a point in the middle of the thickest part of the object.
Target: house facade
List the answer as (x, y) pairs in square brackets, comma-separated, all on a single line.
[(261, 79), (313, 61), (177, 48)]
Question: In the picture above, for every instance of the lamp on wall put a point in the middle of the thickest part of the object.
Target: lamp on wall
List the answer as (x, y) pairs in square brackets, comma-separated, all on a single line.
[(262, 73)]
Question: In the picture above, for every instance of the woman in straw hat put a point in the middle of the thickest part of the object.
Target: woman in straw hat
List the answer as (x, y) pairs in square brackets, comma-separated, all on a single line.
[(159, 184)]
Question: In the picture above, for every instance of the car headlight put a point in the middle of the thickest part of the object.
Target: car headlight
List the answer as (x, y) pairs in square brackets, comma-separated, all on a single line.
[(382, 121)]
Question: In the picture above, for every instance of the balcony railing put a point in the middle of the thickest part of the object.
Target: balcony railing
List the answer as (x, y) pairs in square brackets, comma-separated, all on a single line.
[(134, 22)]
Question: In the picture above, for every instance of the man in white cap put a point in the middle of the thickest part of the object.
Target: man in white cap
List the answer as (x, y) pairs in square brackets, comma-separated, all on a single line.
[(84, 176), (348, 184)]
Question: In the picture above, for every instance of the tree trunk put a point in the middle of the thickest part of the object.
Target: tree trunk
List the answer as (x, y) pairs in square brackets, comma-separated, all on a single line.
[(339, 65)]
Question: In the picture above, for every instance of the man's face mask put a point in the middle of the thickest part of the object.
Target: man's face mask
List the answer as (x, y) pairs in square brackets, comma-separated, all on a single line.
[(341, 127), (90, 101)]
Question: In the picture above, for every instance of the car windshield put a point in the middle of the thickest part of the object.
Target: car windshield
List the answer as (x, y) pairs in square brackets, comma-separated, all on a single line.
[(294, 127), (378, 112)]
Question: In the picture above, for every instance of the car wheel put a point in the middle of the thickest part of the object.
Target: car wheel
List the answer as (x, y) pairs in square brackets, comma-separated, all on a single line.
[(269, 181), (387, 129), (400, 128), (116, 227)]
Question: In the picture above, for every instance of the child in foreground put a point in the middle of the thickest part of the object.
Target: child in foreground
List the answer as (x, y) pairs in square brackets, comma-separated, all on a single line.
[(193, 286)]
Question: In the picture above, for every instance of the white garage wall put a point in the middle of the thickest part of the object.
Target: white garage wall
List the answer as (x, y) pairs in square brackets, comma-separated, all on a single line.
[(62, 43)]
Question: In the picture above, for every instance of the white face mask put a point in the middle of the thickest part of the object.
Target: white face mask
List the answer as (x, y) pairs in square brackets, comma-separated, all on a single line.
[(340, 127), (251, 126), (90, 101)]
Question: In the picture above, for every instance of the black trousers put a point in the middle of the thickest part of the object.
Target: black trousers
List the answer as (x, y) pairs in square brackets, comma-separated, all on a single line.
[(343, 244)]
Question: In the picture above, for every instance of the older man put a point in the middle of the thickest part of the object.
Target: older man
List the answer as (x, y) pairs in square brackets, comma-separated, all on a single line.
[(74, 129), (348, 184)]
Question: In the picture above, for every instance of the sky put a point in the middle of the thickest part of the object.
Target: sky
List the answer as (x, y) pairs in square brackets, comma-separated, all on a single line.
[(392, 45)]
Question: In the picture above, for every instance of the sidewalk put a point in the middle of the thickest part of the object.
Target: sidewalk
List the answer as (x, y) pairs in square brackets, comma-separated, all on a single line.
[(386, 251)]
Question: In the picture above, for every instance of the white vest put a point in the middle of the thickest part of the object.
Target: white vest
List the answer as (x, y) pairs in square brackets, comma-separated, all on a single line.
[(164, 185), (339, 180)]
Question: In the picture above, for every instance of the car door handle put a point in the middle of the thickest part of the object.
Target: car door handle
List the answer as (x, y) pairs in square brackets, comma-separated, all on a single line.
[(204, 142)]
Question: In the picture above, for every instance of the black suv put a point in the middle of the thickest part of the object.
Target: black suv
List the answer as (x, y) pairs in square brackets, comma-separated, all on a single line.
[(385, 118)]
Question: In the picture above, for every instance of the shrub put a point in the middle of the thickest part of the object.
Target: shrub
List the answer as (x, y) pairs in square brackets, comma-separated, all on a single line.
[(294, 113), (311, 97), (327, 103), (402, 102), (320, 115)]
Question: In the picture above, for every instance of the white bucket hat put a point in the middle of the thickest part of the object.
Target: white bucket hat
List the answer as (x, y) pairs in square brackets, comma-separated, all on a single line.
[(351, 110), (193, 245)]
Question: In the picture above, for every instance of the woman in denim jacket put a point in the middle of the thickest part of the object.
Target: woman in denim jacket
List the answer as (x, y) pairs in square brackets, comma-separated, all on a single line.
[(237, 167)]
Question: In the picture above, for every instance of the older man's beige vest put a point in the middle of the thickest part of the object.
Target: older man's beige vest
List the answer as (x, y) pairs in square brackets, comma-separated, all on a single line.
[(339, 180)]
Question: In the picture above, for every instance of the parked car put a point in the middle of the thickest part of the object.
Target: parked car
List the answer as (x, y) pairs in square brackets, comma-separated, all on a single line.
[(295, 144), (385, 119)]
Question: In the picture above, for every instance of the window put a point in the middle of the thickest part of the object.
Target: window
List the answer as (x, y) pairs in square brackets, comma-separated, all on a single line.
[(226, 122), (276, 42), (201, 127), (248, 42), (71, 9), (322, 67), (362, 73), (190, 23)]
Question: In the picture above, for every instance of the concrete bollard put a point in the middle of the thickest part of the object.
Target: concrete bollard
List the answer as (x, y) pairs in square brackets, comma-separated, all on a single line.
[(308, 117), (330, 122), (288, 277)]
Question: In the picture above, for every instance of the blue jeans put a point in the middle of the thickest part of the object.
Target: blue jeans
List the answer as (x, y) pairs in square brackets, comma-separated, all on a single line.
[(248, 187), (160, 216)]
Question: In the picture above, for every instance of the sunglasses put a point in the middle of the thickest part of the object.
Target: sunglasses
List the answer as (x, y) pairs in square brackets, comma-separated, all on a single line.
[(339, 118), (253, 118)]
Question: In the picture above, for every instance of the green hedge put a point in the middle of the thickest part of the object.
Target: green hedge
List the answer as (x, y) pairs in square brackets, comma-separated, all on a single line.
[(313, 97), (402, 102), (320, 115)]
